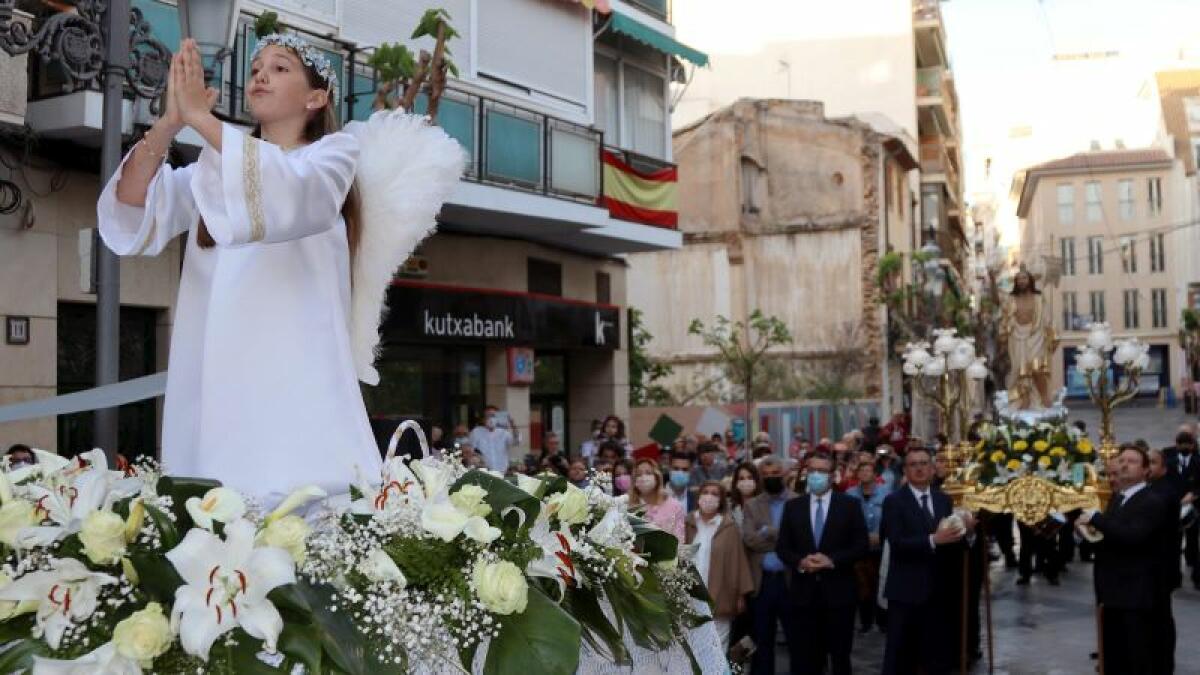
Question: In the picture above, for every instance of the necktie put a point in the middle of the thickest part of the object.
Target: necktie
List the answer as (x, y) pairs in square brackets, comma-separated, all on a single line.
[(1117, 500), (819, 522), (925, 507)]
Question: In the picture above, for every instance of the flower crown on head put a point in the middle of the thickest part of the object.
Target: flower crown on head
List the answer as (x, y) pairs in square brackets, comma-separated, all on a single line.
[(310, 55)]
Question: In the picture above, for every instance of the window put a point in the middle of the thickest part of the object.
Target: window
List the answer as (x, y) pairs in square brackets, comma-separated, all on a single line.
[(1125, 198), (608, 113), (1131, 308), (1091, 194), (750, 186), (1070, 311), (1157, 258), (1097, 302), (545, 277), (1128, 254), (1095, 255), (1068, 256), (603, 288), (1154, 187), (1066, 204), (645, 112), (1158, 303)]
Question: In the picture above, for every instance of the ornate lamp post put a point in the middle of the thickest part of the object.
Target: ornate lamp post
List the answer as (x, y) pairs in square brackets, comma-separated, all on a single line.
[(213, 25), (109, 38), (1094, 360)]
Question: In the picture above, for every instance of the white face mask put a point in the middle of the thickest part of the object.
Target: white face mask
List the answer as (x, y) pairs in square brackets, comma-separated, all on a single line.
[(645, 483), (709, 503), (746, 486), (490, 422)]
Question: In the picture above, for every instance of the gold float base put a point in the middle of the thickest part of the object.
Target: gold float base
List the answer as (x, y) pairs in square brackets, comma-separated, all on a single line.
[(1029, 498)]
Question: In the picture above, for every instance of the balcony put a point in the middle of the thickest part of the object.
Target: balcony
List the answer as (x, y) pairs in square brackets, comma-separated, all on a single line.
[(937, 103), (930, 34), (659, 9), (939, 164)]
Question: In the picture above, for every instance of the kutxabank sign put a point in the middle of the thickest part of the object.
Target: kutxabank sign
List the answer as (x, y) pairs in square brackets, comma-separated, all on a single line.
[(437, 314)]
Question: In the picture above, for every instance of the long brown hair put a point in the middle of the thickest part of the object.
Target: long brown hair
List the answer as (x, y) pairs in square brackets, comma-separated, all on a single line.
[(322, 123)]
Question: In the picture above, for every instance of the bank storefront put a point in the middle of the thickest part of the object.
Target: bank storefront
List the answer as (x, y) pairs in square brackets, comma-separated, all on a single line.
[(447, 351)]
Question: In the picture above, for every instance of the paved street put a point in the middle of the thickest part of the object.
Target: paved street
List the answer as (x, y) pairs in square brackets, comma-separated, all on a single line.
[(1157, 425)]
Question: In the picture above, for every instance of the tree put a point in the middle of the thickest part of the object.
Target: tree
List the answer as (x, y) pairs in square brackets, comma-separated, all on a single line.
[(644, 371), (742, 347), (832, 379), (1189, 340), (396, 69)]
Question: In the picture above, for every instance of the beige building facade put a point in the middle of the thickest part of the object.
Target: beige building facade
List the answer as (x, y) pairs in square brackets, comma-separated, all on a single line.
[(784, 211), (1107, 221)]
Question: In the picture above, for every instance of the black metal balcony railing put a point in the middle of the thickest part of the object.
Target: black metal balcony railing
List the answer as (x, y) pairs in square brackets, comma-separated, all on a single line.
[(508, 145)]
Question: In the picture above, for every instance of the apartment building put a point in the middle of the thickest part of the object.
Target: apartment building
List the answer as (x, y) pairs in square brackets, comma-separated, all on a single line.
[(563, 112), (1107, 222)]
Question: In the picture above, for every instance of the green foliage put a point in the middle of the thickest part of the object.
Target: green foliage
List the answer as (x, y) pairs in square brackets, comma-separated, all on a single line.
[(1191, 319), (393, 62), (889, 264), (601, 635), (644, 371), (428, 25), (267, 23), (542, 639), (180, 490), (426, 562), (743, 346)]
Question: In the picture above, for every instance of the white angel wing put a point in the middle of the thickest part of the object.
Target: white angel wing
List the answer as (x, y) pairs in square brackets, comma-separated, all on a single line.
[(406, 170)]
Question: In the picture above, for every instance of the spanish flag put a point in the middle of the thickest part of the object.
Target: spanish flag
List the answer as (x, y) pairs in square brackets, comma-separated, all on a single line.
[(639, 196)]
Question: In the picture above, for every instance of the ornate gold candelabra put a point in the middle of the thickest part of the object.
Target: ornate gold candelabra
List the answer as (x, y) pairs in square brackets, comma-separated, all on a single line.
[(1094, 360)]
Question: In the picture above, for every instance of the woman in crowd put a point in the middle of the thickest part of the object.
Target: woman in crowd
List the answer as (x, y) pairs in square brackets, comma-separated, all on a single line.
[(721, 557), (871, 493), (746, 486), (613, 429), (622, 478), (661, 508)]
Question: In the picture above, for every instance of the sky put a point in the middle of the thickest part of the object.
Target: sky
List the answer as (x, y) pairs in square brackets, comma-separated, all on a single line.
[(1019, 104)]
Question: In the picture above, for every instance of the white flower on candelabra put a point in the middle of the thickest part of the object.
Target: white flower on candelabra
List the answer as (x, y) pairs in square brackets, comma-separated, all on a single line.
[(917, 353), (66, 594), (225, 586), (962, 356), (1089, 359), (978, 369), (1100, 336), (935, 368), (945, 341), (1127, 351), (911, 369), (1142, 362), (219, 504)]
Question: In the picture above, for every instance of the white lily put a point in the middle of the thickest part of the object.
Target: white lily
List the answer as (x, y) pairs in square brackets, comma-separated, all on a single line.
[(400, 487), (226, 585), (530, 484), (379, 567), (295, 500), (446, 521), (66, 594), (104, 660), (68, 504), (219, 504), (435, 475), (555, 562)]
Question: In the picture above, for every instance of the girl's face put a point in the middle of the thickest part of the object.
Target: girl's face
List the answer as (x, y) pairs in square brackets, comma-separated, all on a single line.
[(610, 428), (620, 470), (710, 490), (279, 88)]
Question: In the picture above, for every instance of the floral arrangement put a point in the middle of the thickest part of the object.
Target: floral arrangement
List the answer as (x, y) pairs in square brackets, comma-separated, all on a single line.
[(1054, 451), (433, 567)]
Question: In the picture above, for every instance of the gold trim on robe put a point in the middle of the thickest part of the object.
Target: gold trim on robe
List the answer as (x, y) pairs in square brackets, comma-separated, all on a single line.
[(253, 184)]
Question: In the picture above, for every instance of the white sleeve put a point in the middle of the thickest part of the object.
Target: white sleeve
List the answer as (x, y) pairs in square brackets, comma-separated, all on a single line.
[(252, 191), (146, 230)]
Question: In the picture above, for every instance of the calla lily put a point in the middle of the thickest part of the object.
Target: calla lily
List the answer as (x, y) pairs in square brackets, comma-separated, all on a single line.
[(295, 500), (379, 567), (226, 585), (219, 504), (104, 660), (530, 484), (66, 594), (435, 476)]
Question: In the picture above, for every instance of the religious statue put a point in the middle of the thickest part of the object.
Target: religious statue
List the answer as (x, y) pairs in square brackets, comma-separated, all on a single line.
[(1027, 330)]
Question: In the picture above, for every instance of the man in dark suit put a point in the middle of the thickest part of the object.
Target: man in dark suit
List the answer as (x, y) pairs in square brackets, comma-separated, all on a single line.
[(770, 605), (821, 536), (1182, 460), (1129, 564), (1170, 487), (924, 582)]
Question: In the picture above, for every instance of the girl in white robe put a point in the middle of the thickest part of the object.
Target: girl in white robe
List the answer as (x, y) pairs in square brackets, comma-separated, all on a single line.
[(261, 388)]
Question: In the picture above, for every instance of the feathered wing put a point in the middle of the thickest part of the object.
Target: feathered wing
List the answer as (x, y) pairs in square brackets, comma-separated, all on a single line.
[(406, 170)]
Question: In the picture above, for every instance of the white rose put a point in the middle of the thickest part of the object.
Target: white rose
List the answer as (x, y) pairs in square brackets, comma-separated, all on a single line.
[(469, 499), (478, 529), (15, 515), (144, 635), (570, 506), (11, 608), (220, 504), (443, 520), (103, 537), (288, 533), (379, 567), (501, 586)]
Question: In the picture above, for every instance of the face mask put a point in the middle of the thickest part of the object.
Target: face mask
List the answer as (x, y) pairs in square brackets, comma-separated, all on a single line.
[(679, 479), (645, 483), (818, 482), (746, 486), (622, 482), (709, 503), (490, 422), (773, 484), (17, 464)]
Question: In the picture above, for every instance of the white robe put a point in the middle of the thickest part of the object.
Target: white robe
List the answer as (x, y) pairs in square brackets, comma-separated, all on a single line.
[(261, 391)]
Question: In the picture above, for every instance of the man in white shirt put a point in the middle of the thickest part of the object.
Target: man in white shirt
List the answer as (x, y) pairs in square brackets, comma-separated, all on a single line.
[(493, 441)]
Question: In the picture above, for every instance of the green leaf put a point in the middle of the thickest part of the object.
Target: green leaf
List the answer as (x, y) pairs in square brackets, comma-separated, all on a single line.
[(166, 528), (289, 597), (542, 639), (601, 634), (338, 636), (19, 656), (657, 545), (501, 494), (180, 490), (16, 628), (242, 655), (644, 610), (157, 576), (302, 643)]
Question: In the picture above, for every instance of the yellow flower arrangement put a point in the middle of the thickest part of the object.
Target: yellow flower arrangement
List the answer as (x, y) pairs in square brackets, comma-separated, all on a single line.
[(1043, 461), (1084, 446), (1040, 446), (1020, 446), (1058, 451), (998, 456), (1014, 464)]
